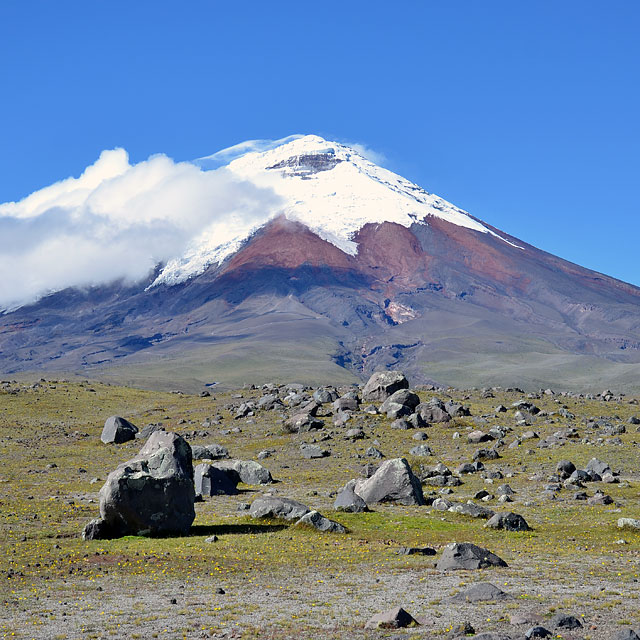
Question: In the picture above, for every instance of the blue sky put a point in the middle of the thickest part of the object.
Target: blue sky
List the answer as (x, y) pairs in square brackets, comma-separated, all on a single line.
[(526, 114)]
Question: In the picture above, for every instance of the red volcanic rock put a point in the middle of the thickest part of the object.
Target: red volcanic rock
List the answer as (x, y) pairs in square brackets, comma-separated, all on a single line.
[(288, 244)]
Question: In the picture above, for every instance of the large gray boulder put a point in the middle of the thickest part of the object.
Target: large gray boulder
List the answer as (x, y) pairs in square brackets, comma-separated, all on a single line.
[(433, 411), (597, 466), (345, 403), (211, 481), (246, 471), (151, 494), (383, 384), (325, 395), (401, 403), (465, 555), (280, 508), (392, 482), (117, 430), (304, 421)]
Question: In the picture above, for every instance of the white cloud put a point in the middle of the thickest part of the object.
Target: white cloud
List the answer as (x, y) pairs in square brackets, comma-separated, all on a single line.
[(117, 221), (366, 152), (225, 156)]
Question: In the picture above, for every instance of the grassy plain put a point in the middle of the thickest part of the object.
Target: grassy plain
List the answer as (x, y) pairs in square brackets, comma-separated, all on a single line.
[(283, 582)]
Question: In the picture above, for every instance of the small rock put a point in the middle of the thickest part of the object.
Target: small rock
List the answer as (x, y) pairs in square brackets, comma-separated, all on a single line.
[(349, 501), (564, 621), (273, 507), (117, 430), (509, 521), (411, 551), (311, 451), (316, 520), (465, 555), (396, 618), (537, 632), (481, 592), (422, 450)]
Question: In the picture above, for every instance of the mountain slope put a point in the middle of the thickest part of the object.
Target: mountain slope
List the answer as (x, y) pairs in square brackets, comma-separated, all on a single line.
[(356, 269)]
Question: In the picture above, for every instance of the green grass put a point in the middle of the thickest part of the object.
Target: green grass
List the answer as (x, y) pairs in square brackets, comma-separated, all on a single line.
[(43, 508)]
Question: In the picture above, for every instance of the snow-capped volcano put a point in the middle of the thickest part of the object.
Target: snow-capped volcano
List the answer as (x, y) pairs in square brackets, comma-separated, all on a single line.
[(302, 259), (331, 189)]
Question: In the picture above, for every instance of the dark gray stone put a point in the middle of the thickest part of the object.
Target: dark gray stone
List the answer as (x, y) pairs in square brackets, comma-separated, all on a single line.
[(416, 421), (316, 520), (395, 618), (481, 592), (505, 490), (431, 412), (248, 471), (382, 384), (537, 632), (472, 510), (326, 395), (485, 454), (599, 498), (269, 402), (597, 466), (310, 451), (345, 403), (147, 430), (564, 621), (97, 529), (211, 481), (348, 500), (416, 551), (476, 437), (422, 450), (401, 424), (392, 482), (117, 430), (394, 410), (509, 521), (465, 555), (301, 422), (151, 494), (209, 452), (403, 397), (279, 508), (456, 410)]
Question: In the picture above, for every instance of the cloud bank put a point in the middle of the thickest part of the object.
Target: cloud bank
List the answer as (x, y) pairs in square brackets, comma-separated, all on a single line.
[(117, 221)]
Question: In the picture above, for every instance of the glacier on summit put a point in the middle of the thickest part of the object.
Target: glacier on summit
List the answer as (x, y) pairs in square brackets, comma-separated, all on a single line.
[(329, 187)]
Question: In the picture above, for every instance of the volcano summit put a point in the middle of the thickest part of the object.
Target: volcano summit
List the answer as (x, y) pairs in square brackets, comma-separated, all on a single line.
[(341, 268)]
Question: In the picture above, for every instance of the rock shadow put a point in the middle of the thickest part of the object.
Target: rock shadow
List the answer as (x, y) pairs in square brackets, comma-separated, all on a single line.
[(234, 529)]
